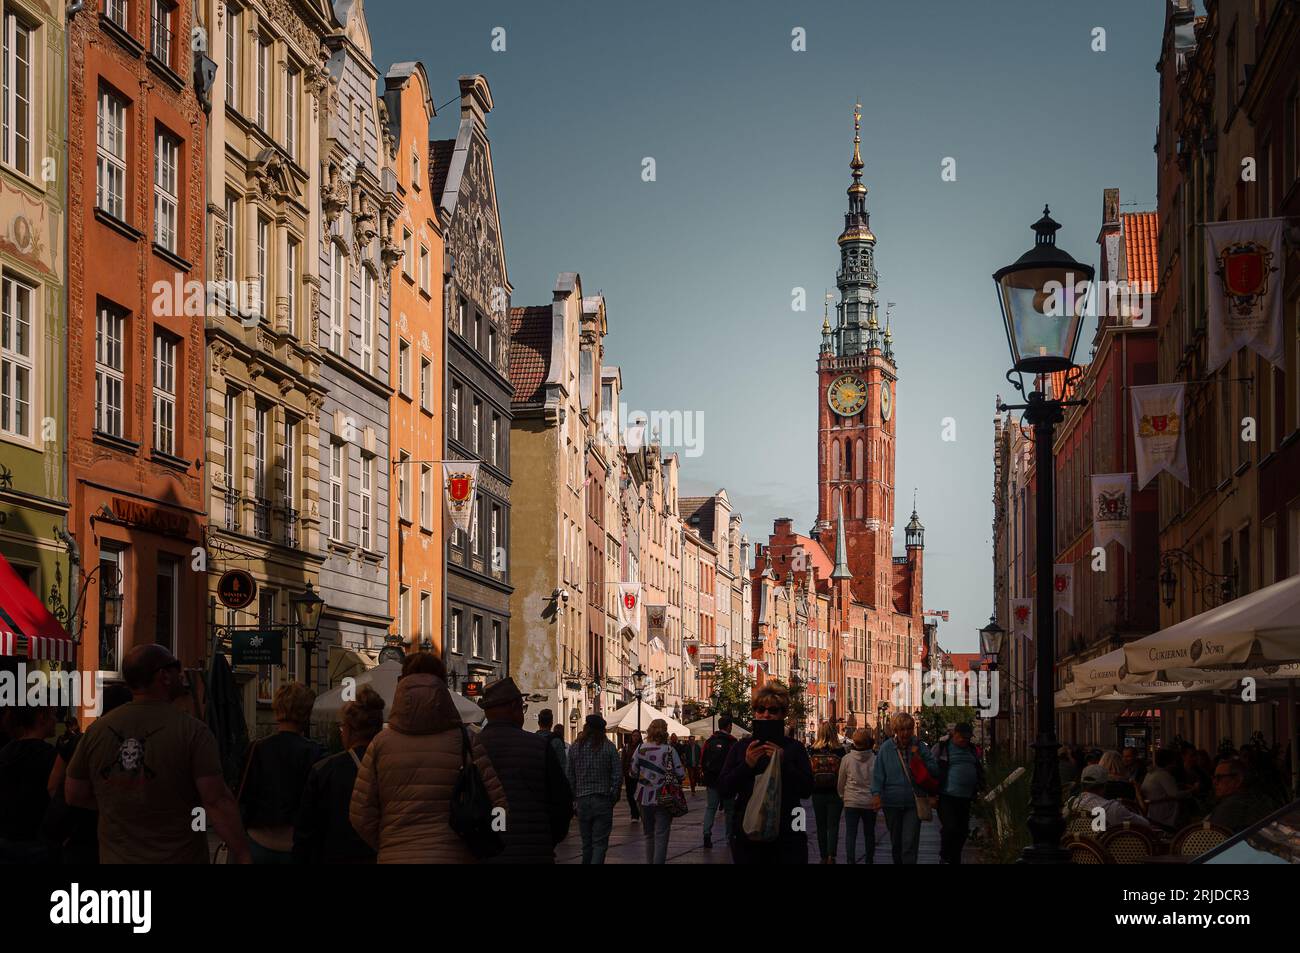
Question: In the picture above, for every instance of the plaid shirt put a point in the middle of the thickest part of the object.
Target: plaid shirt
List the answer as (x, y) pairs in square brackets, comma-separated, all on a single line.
[(595, 770)]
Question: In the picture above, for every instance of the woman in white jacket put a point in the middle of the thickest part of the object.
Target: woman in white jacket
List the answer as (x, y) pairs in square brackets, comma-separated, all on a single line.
[(855, 789)]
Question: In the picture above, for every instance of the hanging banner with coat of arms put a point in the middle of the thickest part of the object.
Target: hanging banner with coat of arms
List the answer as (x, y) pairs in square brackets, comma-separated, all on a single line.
[(1158, 431), (460, 480), (1243, 277), (1063, 587), (629, 606), (656, 620), (1112, 508), (1022, 618)]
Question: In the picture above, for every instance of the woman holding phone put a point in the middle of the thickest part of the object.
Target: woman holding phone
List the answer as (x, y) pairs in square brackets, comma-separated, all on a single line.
[(747, 761)]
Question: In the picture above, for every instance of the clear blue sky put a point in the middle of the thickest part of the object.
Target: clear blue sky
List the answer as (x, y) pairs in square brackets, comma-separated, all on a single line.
[(751, 142)]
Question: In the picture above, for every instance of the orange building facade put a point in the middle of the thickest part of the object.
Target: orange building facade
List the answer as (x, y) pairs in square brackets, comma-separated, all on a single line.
[(135, 351), (418, 370)]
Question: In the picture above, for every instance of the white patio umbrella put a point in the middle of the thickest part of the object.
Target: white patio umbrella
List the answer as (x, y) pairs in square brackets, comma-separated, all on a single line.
[(704, 728), (624, 720), (383, 679)]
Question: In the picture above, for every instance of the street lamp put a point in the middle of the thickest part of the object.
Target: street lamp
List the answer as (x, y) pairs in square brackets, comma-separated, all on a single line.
[(1041, 297), (1204, 579), (638, 688), (307, 609), (991, 638)]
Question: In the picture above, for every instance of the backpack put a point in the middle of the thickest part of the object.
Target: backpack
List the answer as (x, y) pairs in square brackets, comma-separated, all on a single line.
[(825, 768), (715, 756), (471, 807)]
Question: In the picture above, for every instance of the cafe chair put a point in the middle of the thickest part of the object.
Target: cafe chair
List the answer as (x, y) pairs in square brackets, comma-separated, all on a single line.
[(1195, 839), (1128, 844), (1084, 850)]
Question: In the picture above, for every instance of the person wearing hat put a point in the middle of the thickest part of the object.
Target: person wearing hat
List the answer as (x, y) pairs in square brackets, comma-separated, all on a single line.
[(1093, 781), (541, 802), (961, 777), (595, 774)]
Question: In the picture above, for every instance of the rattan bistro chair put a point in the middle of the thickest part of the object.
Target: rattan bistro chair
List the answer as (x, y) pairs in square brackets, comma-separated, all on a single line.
[(1128, 844), (1195, 839), (1085, 850), (1078, 824)]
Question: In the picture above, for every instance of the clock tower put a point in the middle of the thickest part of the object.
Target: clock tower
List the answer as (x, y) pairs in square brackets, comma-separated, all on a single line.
[(856, 378)]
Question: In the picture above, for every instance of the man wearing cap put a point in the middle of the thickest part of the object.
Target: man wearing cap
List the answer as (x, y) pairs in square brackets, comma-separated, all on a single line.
[(595, 774), (1093, 781), (961, 777), (537, 791)]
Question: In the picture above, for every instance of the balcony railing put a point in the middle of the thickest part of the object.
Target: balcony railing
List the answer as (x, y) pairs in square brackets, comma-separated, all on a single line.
[(290, 525), (262, 518), (232, 501)]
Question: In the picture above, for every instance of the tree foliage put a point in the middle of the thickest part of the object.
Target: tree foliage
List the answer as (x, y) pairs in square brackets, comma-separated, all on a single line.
[(732, 688)]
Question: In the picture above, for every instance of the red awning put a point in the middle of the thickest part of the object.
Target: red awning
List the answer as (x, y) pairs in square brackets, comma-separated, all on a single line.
[(22, 616)]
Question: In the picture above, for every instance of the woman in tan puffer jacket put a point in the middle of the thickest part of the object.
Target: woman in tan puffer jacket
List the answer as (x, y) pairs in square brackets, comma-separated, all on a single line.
[(402, 799)]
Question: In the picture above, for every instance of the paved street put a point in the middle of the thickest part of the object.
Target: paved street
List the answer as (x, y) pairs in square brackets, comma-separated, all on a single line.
[(685, 845)]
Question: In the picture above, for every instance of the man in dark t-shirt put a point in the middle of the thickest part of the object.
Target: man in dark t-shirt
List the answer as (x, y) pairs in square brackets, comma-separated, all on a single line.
[(154, 773)]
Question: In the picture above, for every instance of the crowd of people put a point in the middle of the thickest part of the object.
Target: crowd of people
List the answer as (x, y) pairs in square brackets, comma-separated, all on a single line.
[(1179, 785), (145, 782)]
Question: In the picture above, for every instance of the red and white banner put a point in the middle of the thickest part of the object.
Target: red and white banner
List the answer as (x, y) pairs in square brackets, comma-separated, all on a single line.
[(1063, 587), (1022, 617), (1158, 431), (1112, 508), (460, 482), (629, 606), (1243, 265)]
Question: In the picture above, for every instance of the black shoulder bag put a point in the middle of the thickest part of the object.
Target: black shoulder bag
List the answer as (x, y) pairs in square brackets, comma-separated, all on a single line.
[(471, 807)]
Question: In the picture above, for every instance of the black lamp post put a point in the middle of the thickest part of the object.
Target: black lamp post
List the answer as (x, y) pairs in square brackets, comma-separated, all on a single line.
[(307, 609), (1042, 296), (991, 637), (638, 688)]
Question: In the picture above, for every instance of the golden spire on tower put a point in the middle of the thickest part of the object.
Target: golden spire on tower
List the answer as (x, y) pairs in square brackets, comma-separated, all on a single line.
[(856, 162)]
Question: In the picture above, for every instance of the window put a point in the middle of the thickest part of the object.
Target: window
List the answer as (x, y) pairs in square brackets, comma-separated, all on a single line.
[(492, 345), (495, 531), (112, 565), (291, 281), (404, 612), (165, 192), (263, 80), (415, 170), (368, 304), (426, 496), (424, 269), (453, 414), (426, 383), (166, 602), (336, 491), (17, 358), (404, 485), (263, 240), (115, 10), (164, 392), (290, 451), (233, 34), (460, 316), (110, 191), (477, 647), (496, 641), (453, 636), (338, 299), (17, 105), (232, 239), (492, 439), (291, 111), (473, 527), (160, 30), (110, 381), (403, 367), (231, 459), (408, 251), (477, 411), (426, 617), (367, 502)]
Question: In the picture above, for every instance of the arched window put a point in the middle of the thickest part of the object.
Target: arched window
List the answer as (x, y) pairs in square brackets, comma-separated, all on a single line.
[(835, 459), (848, 458), (857, 503), (858, 459)]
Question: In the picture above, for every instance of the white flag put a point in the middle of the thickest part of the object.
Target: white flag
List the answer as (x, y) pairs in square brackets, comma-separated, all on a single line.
[(1158, 431), (656, 620), (1112, 508), (629, 606), (1022, 617), (1063, 587), (460, 482), (1243, 265)]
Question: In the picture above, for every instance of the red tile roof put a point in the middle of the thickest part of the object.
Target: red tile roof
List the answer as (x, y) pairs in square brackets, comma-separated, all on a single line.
[(530, 351), (962, 661), (1057, 382), (1142, 247), (440, 151)]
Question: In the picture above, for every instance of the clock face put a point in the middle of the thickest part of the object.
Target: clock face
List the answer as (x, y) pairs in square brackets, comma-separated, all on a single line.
[(886, 401), (847, 395)]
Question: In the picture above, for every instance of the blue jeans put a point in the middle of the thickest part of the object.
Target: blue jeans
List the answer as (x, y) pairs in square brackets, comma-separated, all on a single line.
[(711, 812), (595, 820), (904, 833), (852, 817), (657, 824)]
